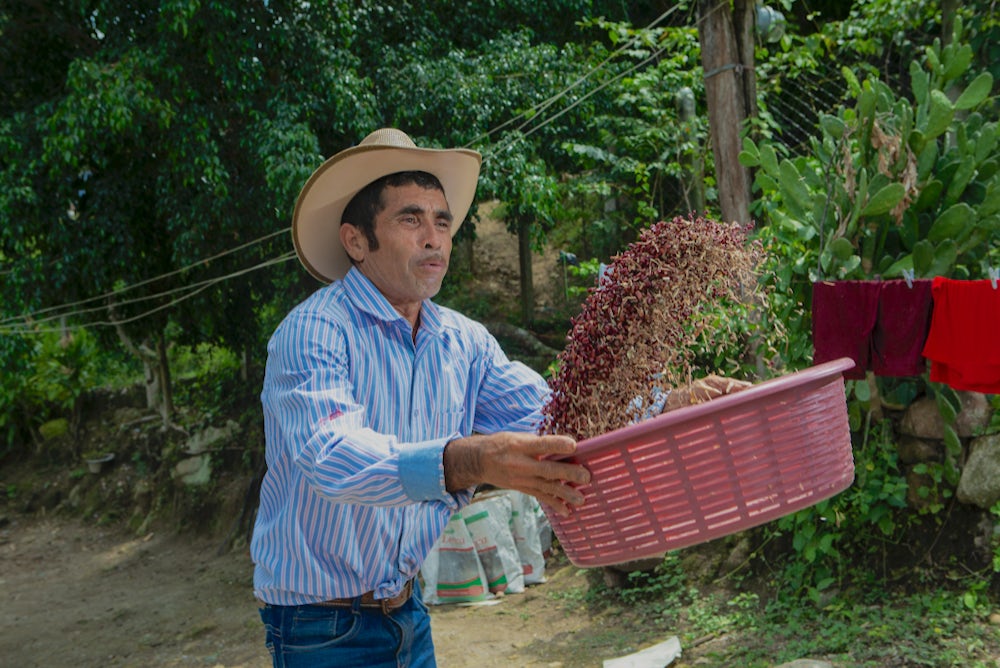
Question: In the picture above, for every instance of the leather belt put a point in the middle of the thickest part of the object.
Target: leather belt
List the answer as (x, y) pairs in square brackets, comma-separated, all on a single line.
[(368, 600)]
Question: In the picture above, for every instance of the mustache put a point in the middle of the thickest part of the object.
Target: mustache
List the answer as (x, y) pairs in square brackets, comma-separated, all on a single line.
[(432, 257)]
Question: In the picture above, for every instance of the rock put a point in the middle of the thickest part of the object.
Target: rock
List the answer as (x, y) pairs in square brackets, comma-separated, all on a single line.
[(923, 419), (195, 470), (975, 416), (616, 575), (980, 481), (739, 555), (913, 450), (54, 428), (208, 438)]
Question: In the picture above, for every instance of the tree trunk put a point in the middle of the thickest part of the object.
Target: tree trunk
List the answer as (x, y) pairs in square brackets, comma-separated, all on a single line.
[(527, 280), (152, 379), (166, 387), (725, 73), (156, 368), (745, 21)]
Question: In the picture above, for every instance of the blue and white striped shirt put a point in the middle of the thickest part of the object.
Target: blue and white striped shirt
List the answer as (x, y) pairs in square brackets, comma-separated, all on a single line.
[(356, 417)]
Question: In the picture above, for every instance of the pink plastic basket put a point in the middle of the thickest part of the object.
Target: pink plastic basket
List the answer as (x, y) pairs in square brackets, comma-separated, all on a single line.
[(711, 469)]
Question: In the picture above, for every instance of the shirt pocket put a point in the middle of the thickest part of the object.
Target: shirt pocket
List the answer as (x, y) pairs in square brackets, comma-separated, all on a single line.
[(447, 422)]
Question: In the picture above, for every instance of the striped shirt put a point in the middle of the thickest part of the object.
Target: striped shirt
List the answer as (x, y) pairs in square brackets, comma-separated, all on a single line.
[(356, 417)]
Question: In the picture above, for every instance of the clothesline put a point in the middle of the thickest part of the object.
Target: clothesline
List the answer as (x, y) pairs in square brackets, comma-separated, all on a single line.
[(894, 327)]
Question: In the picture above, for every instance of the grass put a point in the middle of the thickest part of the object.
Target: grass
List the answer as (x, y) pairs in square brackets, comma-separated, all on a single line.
[(758, 624)]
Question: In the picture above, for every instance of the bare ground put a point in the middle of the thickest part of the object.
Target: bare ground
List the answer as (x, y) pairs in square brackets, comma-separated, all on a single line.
[(90, 592), (80, 595)]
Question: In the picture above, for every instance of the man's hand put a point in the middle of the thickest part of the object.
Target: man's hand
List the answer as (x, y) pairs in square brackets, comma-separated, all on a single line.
[(704, 389), (512, 460)]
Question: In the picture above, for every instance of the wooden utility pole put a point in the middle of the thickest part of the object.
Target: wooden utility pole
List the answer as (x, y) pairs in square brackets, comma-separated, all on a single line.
[(725, 30)]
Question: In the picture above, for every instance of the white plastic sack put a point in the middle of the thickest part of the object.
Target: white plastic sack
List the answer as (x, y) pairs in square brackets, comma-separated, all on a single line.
[(489, 520), (452, 572), (532, 535)]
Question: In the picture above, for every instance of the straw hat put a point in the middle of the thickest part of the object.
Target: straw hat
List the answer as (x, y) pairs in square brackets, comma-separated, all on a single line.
[(316, 221)]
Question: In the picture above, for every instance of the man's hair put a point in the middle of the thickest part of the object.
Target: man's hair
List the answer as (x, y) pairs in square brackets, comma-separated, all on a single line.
[(367, 203)]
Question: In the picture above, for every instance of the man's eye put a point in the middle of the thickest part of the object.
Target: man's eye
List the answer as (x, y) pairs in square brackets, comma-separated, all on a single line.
[(444, 224)]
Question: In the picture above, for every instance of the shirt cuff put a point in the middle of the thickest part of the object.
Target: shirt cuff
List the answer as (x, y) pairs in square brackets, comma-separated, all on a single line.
[(421, 470)]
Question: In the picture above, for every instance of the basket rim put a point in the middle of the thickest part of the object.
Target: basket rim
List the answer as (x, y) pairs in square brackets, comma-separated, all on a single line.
[(814, 375)]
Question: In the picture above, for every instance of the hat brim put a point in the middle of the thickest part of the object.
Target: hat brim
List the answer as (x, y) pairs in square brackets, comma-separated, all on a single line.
[(321, 203)]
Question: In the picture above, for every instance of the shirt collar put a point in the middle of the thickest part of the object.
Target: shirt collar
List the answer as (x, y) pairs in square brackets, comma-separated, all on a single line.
[(363, 293)]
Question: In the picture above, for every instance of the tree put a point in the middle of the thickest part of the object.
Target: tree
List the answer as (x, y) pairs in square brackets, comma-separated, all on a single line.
[(726, 35), (178, 132)]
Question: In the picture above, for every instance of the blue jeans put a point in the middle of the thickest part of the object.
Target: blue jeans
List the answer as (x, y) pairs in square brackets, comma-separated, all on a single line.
[(315, 636)]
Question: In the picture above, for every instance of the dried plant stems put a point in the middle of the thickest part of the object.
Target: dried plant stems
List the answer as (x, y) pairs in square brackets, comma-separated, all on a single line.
[(635, 330)]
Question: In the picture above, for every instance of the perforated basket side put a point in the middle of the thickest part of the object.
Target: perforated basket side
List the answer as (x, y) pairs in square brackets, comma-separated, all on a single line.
[(707, 473)]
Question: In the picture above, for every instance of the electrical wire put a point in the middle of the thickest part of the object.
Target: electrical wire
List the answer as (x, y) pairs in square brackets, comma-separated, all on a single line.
[(154, 279), (534, 111), (530, 116), (191, 290), (533, 114)]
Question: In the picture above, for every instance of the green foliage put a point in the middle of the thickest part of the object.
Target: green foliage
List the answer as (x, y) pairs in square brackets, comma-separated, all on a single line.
[(890, 185), (208, 378), (871, 627), (174, 136), (857, 521), (640, 158), (660, 594), (48, 377)]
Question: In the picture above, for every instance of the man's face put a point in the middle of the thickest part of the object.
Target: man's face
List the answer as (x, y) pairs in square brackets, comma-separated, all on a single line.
[(414, 244)]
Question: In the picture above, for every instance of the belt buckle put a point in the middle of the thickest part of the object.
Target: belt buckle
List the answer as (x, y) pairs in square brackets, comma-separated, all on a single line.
[(396, 602)]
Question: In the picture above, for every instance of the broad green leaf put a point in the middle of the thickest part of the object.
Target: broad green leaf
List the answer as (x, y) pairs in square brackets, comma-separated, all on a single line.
[(852, 80), (926, 159), (934, 60), (833, 126), (951, 440), (884, 200), (985, 144), (940, 115), (950, 224), (991, 202), (947, 410), (769, 161), (862, 391), (842, 248), (748, 159), (766, 183), (957, 61), (923, 257), (976, 92), (944, 259), (793, 185), (966, 170), (896, 269), (929, 196), (920, 82), (850, 265), (866, 105)]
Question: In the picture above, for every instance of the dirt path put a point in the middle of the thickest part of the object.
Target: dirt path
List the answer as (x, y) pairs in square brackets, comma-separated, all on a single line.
[(80, 595)]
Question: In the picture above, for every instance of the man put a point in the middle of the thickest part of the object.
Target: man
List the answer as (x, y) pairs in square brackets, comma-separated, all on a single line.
[(383, 412)]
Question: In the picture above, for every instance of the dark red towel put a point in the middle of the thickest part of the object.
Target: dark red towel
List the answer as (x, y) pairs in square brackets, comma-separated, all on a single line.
[(963, 344), (843, 317), (904, 317)]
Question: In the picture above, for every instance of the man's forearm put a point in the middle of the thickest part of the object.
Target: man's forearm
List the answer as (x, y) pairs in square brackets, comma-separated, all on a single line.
[(463, 466)]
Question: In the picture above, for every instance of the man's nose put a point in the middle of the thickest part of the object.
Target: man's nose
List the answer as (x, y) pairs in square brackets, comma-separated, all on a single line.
[(434, 235)]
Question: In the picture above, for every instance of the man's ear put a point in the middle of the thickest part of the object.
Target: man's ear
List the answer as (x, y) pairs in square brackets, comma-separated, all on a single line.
[(354, 241)]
